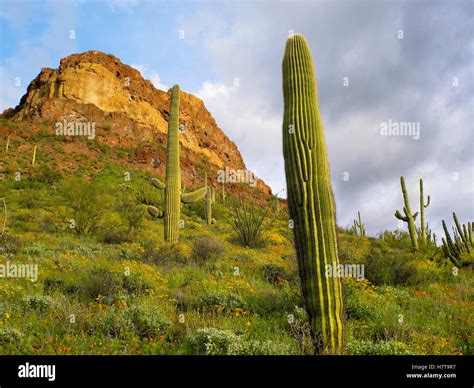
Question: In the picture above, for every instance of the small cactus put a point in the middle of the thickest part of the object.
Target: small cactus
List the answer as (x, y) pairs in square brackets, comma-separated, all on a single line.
[(7, 146), (359, 224), (409, 218)]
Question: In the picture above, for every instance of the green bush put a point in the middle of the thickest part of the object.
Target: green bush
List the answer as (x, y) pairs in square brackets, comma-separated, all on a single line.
[(147, 323), (10, 245), (384, 265), (378, 348), (10, 335), (227, 302), (41, 303), (163, 254), (206, 248)]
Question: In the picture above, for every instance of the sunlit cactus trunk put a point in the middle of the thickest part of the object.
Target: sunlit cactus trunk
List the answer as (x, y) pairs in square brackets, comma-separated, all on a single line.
[(310, 199), (173, 172)]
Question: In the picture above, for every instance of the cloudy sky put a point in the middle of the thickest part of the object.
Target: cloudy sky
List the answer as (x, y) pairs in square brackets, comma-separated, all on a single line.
[(376, 62)]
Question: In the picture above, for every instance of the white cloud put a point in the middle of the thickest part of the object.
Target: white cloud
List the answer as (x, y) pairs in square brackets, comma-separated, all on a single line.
[(153, 76), (210, 91)]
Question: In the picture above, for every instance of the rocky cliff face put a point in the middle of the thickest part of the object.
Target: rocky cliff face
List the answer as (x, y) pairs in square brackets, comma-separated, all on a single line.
[(127, 111)]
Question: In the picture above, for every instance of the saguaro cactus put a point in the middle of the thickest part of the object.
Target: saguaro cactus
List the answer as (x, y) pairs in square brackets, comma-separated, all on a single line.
[(360, 225), (409, 218), (460, 251), (422, 212), (7, 146), (209, 201), (310, 198), (172, 187), (223, 193), (33, 160)]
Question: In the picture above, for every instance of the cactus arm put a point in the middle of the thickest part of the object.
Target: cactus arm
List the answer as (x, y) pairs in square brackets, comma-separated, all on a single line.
[(400, 217), (158, 184), (194, 196), (310, 199), (155, 212)]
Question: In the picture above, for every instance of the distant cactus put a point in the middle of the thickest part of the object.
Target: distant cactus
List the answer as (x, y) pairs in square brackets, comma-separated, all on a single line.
[(172, 187), (7, 146), (310, 198), (422, 212), (460, 250), (409, 218), (33, 160), (223, 193), (359, 224)]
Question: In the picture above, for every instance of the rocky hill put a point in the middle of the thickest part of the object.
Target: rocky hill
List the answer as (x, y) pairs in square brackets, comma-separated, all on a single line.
[(128, 112)]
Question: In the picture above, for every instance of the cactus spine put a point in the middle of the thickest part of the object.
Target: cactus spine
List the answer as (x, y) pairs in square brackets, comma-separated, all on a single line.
[(172, 187), (360, 225), (310, 198), (409, 218), (422, 212)]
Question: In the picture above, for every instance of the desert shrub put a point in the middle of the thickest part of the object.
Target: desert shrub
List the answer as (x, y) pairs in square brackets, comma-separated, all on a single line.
[(384, 265), (163, 254), (110, 323), (250, 221), (10, 335), (101, 282), (206, 248), (213, 341), (147, 323), (41, 303), (134, 284), (261, 348), (50, 285), (48, 175), (131, 213), (85, 204), (370, 348), (10, 245), (222, 302)]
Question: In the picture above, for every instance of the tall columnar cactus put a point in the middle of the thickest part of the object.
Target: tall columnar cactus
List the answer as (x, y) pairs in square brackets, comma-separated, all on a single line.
[(360, 225), (460, 250), (422, 212), (223, 193), (209, 201), (354, 228), (7, 145), (33, 160), (409, 218), (172, 187), (310, 198)]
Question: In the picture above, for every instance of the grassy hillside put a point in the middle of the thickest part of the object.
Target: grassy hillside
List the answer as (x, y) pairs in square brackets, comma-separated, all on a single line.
[(117, 288)]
